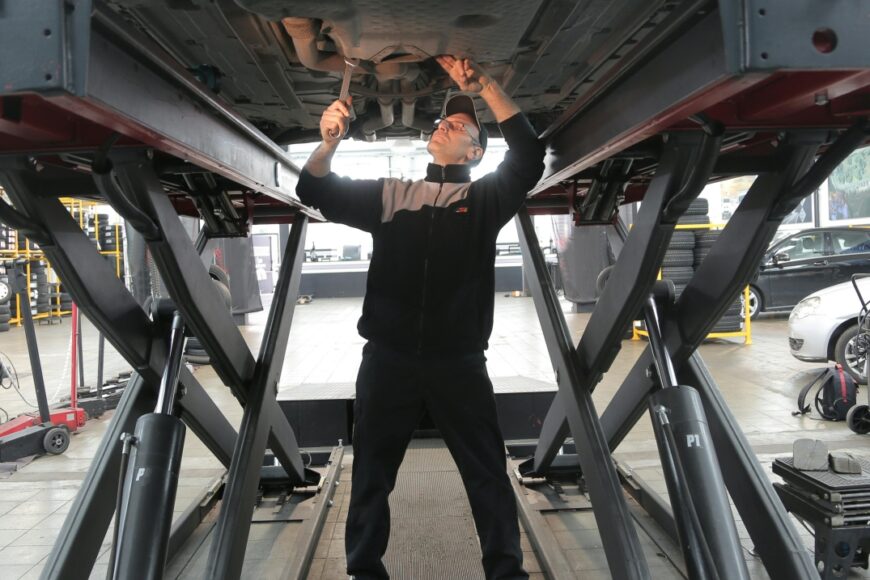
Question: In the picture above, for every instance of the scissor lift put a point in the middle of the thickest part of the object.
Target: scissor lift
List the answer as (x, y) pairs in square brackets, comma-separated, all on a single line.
[(93, 108)]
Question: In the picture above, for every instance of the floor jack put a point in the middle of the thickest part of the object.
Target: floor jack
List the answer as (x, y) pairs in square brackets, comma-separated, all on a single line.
[(48, 431), (94, 401)]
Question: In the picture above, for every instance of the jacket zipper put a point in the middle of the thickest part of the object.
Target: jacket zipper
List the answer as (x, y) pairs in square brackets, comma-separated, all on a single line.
[(426, 265)]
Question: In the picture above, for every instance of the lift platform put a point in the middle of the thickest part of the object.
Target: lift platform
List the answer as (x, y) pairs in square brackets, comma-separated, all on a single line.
[(286, 525), (94, 107)]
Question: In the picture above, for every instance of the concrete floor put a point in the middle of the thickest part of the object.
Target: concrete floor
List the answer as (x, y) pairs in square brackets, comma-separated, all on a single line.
[(760, 382)]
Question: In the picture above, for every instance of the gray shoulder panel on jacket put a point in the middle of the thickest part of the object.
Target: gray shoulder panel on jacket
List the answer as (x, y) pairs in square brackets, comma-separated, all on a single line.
[(410, 195)]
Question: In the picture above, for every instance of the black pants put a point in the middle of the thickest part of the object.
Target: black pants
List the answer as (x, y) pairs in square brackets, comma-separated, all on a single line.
[(392, 391)]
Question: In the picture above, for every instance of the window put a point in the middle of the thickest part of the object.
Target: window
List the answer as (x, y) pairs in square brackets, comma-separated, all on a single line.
[(851, 242), (803, 246)]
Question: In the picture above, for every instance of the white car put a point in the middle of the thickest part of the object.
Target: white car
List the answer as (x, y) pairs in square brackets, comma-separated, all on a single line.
[(824, 325)]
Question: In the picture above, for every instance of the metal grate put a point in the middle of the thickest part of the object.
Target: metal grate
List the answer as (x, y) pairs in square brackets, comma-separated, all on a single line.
[(825, 481)]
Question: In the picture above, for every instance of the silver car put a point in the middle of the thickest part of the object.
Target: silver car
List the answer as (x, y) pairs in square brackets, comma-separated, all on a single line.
[(824, 325)]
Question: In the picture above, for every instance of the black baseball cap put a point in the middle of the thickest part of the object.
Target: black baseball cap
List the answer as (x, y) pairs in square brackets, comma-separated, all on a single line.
[(460, 103)]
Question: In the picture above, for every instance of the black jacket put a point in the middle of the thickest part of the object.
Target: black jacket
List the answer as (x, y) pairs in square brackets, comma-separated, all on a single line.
[(431, 280)]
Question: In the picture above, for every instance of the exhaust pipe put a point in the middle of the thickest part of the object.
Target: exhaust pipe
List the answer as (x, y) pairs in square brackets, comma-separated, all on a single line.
[(373, 125), (304, 31), (409, 113)]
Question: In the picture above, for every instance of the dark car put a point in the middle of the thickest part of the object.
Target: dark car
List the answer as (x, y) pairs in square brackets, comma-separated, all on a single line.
[(805, 262)]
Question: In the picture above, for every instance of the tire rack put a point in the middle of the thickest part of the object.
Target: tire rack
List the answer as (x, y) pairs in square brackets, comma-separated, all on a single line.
[(745, 333), (32, 253)]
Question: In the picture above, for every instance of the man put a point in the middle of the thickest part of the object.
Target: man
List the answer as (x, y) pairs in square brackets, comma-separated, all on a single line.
[(428, 313)]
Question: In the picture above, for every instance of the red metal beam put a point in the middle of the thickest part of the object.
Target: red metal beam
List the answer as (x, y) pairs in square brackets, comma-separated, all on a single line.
[(22, 118), (852, 105), (796, 94), (31, 124)]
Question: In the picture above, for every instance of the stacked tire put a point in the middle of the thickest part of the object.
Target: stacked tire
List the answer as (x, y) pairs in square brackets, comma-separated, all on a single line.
[(6, 301), (731, 321), (704, 240), (65, 300), (678, 265), (696, 214), (108, 236), (40, 290), (679, 257), (24, 244), (7, 238), (94, 222)]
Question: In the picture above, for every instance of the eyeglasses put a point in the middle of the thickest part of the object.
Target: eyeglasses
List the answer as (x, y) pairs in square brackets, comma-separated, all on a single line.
[(456, 126)]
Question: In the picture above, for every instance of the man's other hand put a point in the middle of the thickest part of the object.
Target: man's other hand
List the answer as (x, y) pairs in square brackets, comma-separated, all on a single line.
[(465, 73), (335, 121)]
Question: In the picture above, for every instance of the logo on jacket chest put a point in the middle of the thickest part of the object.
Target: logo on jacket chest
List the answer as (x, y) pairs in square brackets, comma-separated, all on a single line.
[(461, 209)]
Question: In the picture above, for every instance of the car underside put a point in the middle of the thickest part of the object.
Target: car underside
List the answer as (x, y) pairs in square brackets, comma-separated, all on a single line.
[(281, 63), (603, 83)]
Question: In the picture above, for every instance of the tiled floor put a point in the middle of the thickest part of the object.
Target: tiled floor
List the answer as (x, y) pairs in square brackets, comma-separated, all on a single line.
[(760, 382)]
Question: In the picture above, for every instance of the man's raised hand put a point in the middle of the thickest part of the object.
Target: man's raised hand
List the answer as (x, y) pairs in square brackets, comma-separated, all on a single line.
[(465, 73), (335, 121)]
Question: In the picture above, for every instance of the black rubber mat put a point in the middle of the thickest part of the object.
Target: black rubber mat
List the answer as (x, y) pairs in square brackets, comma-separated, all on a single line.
[(433, 533)]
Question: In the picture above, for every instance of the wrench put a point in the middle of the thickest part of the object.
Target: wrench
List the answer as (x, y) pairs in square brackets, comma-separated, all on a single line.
[(349, 65)]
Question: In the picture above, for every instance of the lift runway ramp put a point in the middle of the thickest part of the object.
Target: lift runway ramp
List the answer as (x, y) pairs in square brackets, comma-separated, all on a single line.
[(433, 534), (432, 530), (284, 529)]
